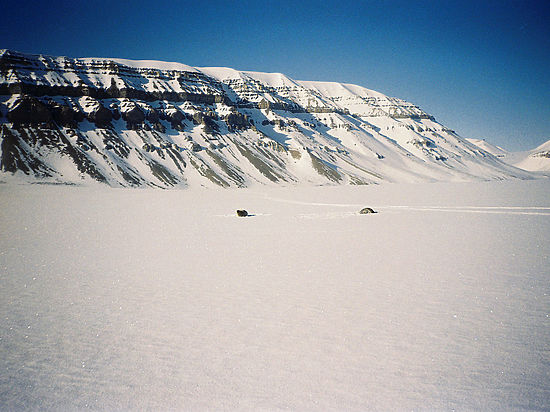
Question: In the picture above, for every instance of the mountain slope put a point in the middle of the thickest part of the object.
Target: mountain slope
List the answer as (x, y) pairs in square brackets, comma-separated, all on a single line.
[(149, 123), (535, 160), (496, 151)]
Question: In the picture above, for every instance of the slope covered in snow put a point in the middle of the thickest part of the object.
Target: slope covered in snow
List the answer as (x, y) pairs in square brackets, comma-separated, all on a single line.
[(490, 148), (535, 160), (148, 123)]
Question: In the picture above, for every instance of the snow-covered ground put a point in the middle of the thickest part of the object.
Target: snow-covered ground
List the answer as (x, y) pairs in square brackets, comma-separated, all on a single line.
[(117, 299)]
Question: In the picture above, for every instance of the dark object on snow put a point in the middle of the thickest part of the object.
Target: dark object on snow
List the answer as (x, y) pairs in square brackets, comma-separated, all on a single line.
[(242, 213), (366, 210)]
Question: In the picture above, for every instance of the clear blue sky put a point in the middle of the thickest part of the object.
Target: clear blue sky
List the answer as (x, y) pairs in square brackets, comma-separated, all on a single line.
[(480, 67)]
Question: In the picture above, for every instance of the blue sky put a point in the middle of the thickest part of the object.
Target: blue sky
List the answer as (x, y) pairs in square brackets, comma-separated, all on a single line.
[(480, 67)]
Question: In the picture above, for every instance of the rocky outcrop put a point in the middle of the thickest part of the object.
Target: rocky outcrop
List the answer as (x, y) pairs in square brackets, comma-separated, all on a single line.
[(29, 110), (174, 116), (66, 116), (207, 119), (132, 114), (27, 74), (152, 116), (237, 121), (101, 116)]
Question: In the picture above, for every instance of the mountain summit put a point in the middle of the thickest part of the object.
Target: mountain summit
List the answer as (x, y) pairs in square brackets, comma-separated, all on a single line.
[(149, 123)]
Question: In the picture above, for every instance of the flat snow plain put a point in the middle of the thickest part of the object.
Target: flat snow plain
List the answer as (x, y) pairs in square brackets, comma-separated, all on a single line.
[(115, 299)]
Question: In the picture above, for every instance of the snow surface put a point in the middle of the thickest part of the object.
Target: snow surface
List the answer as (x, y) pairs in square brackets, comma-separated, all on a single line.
[(145, 64), (335, 89), (268, 79), (116, 299)]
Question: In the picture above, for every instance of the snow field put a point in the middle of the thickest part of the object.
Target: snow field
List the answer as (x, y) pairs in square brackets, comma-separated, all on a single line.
[(147, 299)]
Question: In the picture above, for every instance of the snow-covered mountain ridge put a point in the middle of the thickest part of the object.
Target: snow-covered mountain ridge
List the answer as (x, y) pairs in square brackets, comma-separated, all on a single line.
[(154, 80), (535, 160), (149, 123)]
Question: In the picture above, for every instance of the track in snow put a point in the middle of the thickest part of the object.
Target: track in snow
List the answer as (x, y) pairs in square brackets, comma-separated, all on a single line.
[(508, 210)]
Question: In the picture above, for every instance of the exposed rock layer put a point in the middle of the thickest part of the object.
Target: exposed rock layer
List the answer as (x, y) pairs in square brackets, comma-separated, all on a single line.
[(164, 124)]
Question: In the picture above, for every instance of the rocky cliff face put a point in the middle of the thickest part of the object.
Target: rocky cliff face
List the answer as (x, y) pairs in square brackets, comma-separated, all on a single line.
[(143, 123)]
